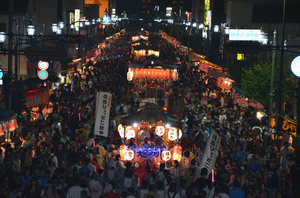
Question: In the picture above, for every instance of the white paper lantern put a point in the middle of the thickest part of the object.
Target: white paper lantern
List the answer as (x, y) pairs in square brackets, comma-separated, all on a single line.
[(172, 134), (160, 130), (166, 155), (121, 130), (129, 133), (129, 155)]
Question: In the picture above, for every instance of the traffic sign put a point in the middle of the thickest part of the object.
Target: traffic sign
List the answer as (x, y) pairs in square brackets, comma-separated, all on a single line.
[(1, 73), (43, 65), (43, 74)]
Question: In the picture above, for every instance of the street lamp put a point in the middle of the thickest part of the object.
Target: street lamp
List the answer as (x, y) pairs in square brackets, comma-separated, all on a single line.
[(201, 26), (58, 31), (216, 28), (54, 27), (30, 30), (87, 23), (2, 37), (61, 25)]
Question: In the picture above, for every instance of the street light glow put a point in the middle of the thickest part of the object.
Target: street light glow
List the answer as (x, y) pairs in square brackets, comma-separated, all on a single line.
[(30, 30), (2, 37), (61, 25), (54, 27)]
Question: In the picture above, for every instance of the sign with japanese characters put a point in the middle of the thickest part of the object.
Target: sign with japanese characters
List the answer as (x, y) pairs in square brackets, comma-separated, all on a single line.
[(210, 153), (36, 97), (103, 104)]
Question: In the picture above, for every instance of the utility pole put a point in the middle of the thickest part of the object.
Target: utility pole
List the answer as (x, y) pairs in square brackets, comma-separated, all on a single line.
[(281, 61), (272, 71), (10, 52)]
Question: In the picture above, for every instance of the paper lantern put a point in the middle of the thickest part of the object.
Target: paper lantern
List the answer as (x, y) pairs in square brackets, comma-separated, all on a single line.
[(152, 73), (130, 134), (174, 75), (137, 73), (177, 152), (167, 73), (129, 155), (121, 130), (160, 130), (172, 134), (180, 134), (123, 148), (129, 75), (148, 73), (166, 155)]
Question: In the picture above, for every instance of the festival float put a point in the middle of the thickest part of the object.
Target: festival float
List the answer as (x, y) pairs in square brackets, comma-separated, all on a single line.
[(152, 78), (150, 137)]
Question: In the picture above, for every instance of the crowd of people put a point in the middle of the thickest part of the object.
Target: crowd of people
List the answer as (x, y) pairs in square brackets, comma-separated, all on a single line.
[(57, 154)]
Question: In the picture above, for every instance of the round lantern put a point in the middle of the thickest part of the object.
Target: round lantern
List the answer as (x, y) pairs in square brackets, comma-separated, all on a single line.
[(160, 130), (129, 155), (121, 130), (166, 155), (129, 132), (177, 152), (123, 148), (172, 134), (180, 134)]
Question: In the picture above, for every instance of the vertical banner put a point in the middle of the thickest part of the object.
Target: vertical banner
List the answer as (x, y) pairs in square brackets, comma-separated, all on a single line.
[(76, 19), (103, 104), (210, 153)]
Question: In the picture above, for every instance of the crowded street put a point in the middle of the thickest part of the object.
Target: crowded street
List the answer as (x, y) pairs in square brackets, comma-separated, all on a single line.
[(217, 149)]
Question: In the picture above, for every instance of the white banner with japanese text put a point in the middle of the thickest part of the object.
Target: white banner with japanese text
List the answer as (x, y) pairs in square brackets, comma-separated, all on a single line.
[(103, 103), (210, 153)]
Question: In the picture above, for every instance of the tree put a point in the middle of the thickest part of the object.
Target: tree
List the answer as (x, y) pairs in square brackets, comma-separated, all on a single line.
[(255, 82)]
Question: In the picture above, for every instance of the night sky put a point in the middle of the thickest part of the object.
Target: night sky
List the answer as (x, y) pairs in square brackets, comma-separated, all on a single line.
[(130, 6)]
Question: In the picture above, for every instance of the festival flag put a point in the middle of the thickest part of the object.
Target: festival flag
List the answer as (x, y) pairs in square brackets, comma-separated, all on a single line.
[(103, 104)]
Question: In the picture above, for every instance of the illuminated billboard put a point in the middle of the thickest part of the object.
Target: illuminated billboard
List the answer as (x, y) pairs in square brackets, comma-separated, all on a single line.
[(168, 11), (77, 17), (245, 35)]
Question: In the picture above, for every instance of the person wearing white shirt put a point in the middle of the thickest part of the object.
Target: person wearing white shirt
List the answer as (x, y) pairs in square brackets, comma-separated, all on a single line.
[(75, 190)]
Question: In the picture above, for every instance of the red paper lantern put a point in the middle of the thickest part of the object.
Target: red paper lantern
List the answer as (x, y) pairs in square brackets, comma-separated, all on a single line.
[(123, 148), (177, 152), (137, 73), (148, 73), (152, 73), (155, 73), (167, 73)]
